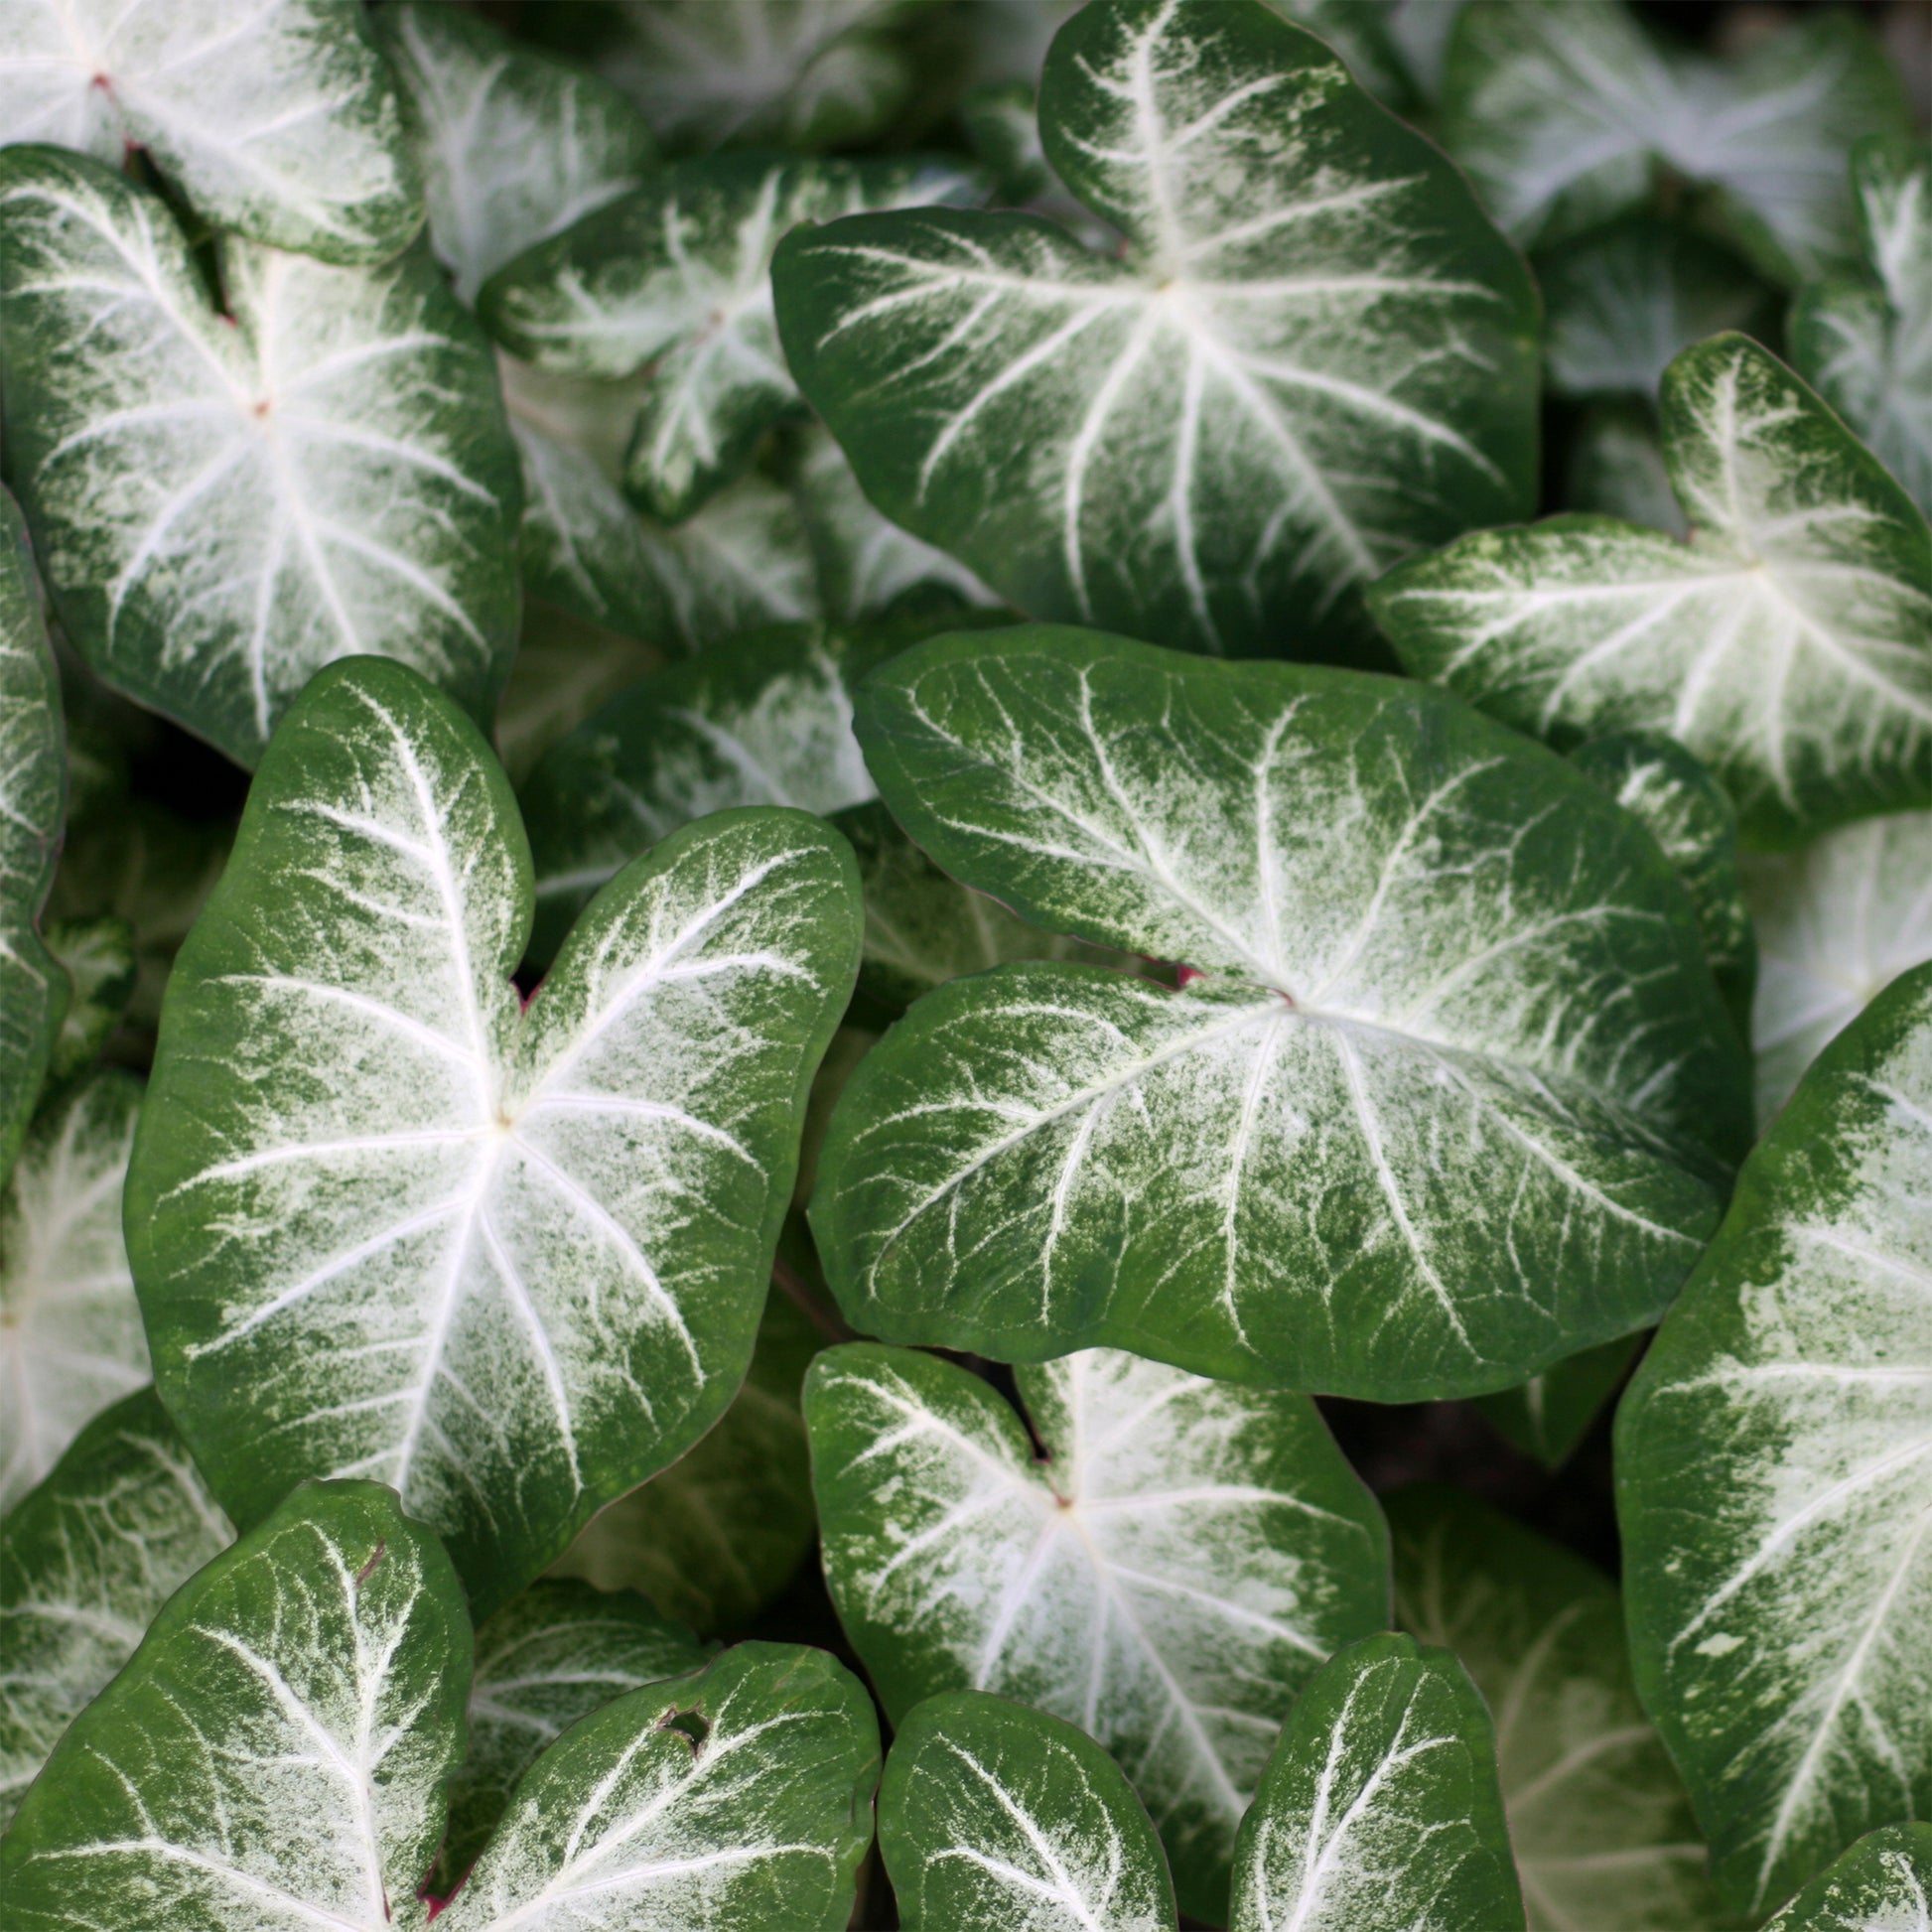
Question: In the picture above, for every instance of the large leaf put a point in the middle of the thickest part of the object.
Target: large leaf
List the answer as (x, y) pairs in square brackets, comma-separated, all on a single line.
[(1166, 1575), (1775, 1463), (1788, 643), (1566, 113), (1883, 1883), (1868, 344), (1603, 1834), (1379, 1810), (1318, 357), (224, 502), (677, 276), (278, 121), (513, 145), (87, 1560), (1431, 1120), (992, 1817), (1837, 923), (70, 1337), (384, 1221), (33, 800)]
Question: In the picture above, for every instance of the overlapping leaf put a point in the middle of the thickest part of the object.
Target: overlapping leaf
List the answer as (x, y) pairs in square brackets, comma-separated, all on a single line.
[(1883, 1881), (222, 503), (87, 1560), (1317, 358), (1549, 1416), (1616, 469), (1788, 644), (1431, 1120), (1774, 1463), (993, 1818), (1167, 1577), (278, 121), (676, 276), (1379, 1810), (384, 1221)]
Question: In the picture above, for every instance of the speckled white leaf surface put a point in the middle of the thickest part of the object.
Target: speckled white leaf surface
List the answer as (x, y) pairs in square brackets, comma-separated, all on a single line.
[(1883, 1883)]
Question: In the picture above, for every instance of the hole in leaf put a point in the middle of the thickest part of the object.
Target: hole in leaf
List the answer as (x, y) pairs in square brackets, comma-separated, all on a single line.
[(691, 1723)]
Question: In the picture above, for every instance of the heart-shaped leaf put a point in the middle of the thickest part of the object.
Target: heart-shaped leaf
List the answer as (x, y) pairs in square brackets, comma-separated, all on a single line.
[(1379, 1810), (87, 1560), (1318, 357), (1838, 921), (278, 121), (1866, 345), (1166, 1575), (224, 502), (1566, 112), (1788, 644), (677, 275), (1603, 1834), (97, 956), (1775, 1472), (1883, 1880), (386, 1222), (992, 1817), (1431, 1120), (33, 800), (70, 1337), (513, 145)]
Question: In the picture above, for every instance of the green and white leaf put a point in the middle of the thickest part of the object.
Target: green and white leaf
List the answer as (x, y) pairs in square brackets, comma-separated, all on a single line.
[(513, 145), (1167, 1577), (1788, 643), (1775, 1463), (1616, 469), (279, 122), (1317, 358), (385, 1221), (563, 670), (553, 1654), (1866, 345), (993, 1818), (224, 502), (71, 1335), (98, 958), (1883, 1883), (1566, 114), (1549, 1416), (676, 277), (1442, 1109), (33, 801), (1625, 301), (1838, 921), (87, 1561), (1604, 1834), (272, 1757), (1379, 1810), (714, 1537)]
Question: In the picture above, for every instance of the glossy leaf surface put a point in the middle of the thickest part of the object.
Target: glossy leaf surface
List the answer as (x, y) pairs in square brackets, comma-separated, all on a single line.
[(1883, 1881)]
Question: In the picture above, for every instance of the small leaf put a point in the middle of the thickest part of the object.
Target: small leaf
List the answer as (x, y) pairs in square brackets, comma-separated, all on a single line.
[(1774, 1470), (1549, 1416), (1866, 345), (992, 1817), (97, 956), (676, 275), (1166, 1577), (1426, 1114), (513, 145), (1379, 1810), (273, 1754), (70, 1337), (385, 1221), (224, 502), (279, 121), (1788, 644), (87, 1561), (1616, 469), (1838, 921), (1885, 1882), (1214, 441), (1603, 1834)]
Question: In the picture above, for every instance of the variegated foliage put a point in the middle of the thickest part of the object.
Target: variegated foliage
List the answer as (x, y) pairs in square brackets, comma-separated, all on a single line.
[(278, 121), (98, 958), (1883, 1883), (1774, 1463), (1788, 643), (1445, 1095), (387, 1221), (1166, 1576), (223, 501), (1317, 358)]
